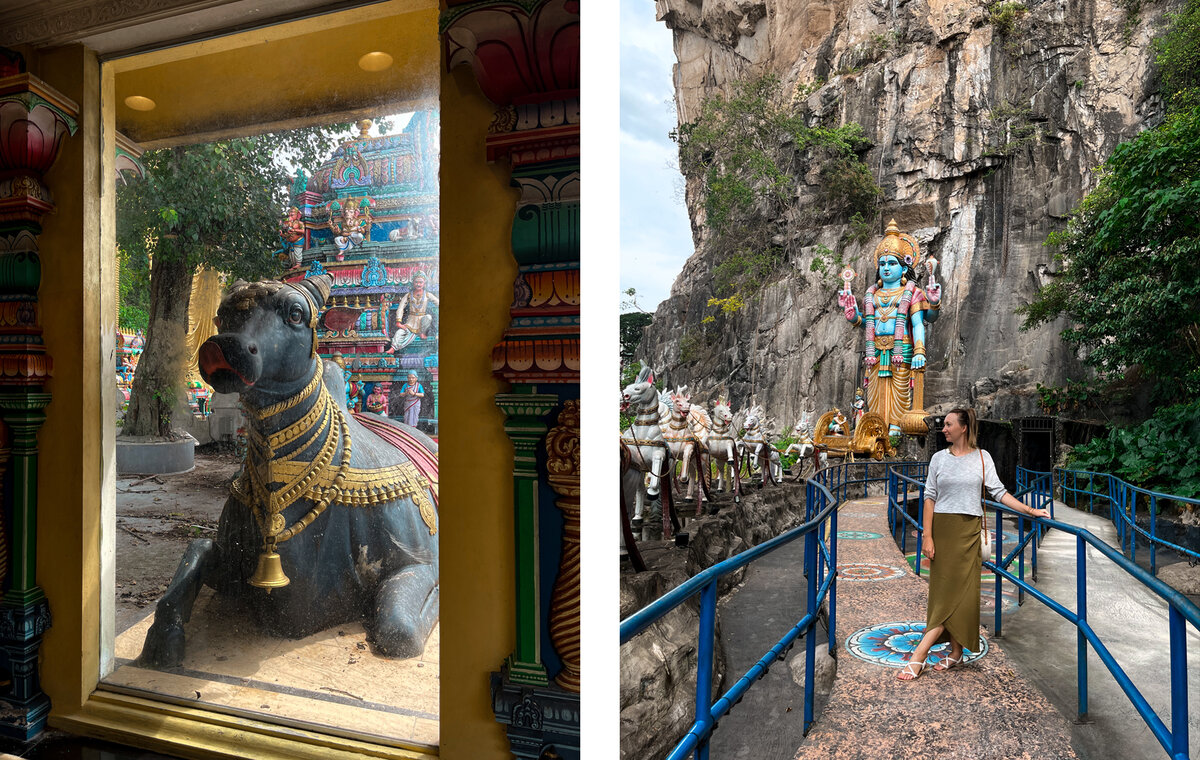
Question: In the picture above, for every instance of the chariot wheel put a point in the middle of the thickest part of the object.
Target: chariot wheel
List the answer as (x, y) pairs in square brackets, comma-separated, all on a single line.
[(879, 450)]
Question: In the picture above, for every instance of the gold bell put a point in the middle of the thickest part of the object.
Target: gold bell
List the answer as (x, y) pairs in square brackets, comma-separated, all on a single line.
[(269, 574)]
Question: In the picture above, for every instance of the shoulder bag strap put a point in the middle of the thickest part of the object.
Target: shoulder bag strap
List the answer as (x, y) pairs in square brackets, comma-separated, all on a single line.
[(983, 489)]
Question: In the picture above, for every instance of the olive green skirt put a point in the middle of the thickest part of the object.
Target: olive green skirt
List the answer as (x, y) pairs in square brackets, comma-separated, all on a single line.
[(954, 579)]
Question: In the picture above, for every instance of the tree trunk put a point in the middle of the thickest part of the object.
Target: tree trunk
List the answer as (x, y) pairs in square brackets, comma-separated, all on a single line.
[(158, 383)]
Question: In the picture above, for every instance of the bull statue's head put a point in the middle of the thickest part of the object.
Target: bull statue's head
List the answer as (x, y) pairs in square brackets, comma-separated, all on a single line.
[(267, 338)]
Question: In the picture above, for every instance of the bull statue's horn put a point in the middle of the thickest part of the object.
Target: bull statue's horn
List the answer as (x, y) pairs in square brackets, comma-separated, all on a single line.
[(318, 287)]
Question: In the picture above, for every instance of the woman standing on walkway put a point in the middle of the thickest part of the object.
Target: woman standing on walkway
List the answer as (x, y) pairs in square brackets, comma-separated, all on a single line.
[(953, 511)]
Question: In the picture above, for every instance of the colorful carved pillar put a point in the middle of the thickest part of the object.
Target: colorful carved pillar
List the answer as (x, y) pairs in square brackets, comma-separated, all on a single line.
[(562, 461), (523, 412), (525, 57), (34, 119)]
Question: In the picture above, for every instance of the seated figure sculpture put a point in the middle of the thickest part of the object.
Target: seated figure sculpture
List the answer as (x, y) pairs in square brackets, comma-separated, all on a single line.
[(412, 314), (351, 230), (334, 517), (896, 314)]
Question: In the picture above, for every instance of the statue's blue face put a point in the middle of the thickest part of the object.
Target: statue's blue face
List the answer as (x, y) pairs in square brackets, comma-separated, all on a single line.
[(890, 270)]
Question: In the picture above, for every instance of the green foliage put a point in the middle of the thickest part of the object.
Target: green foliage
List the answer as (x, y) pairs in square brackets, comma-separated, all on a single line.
[(1013, 128), (860, 229), (691, 346), (133, 295), (1131, 286), (1177, 53), (218, 203), (1004, 16), (786, 461), (751, 151), (828, 263), (747, 270), (1133, 17), (632, 324), (1071, 397), (1159, 454)]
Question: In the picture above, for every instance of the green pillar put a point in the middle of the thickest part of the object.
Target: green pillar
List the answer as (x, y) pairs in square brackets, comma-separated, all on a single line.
[(24, 611), (23, 412), (523, 410)]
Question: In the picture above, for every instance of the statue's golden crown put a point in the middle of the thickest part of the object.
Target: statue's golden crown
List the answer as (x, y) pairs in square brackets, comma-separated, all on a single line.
[(899, 244)]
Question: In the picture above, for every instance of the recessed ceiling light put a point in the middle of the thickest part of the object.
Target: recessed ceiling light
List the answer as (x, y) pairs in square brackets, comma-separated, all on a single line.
[(140, 103), (375, 61)]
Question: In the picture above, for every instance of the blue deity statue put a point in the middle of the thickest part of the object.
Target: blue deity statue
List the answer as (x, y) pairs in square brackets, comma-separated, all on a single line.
[(895, 313)]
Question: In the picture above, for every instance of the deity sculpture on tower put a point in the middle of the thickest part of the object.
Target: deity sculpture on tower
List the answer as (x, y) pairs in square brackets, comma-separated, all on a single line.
[(291, 232), (895, 314), (350, 229)]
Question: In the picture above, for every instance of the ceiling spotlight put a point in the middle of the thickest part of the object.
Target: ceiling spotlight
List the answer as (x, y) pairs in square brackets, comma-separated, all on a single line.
[(375, 61), (140, 103)]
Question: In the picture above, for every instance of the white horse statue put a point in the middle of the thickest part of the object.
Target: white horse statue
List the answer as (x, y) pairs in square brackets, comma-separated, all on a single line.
[(804, 447), (723, 449), (760, 454), (648, 452), (677, 419)]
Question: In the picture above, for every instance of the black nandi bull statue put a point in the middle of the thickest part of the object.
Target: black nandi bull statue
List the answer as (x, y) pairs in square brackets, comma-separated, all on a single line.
[(334, 516)]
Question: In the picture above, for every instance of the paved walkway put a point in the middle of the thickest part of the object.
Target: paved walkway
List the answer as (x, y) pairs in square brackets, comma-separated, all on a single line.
[(983, 709), (1130, 619)]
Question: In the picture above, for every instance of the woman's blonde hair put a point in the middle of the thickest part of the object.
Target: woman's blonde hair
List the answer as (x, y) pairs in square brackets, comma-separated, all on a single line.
[(966, 417)]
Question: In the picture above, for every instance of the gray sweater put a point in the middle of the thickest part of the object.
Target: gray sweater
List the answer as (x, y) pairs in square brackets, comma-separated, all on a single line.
[(955, 483)]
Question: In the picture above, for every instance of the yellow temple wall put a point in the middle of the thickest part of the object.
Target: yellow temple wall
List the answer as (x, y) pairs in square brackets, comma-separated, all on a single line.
[(477, 562), (477, 555)]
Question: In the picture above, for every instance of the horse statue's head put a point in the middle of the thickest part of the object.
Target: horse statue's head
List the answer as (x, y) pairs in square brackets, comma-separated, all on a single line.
[(721, 412), (681, 401), (266, 336), (640, 393), (754, 417)]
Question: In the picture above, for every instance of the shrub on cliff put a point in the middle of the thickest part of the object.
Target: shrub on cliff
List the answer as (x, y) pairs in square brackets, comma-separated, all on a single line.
[(1159, 454), (751, 151)]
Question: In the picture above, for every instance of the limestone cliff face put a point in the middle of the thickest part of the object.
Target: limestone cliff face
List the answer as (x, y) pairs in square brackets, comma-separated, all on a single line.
[(983, 140)]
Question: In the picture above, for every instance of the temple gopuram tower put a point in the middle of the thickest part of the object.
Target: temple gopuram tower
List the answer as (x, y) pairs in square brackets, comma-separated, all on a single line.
[(368, 217)]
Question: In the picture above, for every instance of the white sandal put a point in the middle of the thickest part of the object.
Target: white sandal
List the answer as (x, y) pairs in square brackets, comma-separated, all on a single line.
[(907, 671), (947, 662)]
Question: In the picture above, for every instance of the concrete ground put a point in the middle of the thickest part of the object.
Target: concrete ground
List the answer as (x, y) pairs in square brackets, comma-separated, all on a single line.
[(1130, 619), (1018, 700)]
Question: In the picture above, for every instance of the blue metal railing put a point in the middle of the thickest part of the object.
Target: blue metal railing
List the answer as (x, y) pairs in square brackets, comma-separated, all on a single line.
[(824, 492), (1121, 498), (1181, 612)]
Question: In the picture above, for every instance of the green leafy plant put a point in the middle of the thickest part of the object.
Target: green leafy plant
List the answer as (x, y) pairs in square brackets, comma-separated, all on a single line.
[(1177, 53), (1130, 285), (750, 150), (1159, 454), (1004, 16)]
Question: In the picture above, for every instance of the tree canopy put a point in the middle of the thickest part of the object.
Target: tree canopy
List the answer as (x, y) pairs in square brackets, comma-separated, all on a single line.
[(1130, 284), (218, 204), (215, 204)]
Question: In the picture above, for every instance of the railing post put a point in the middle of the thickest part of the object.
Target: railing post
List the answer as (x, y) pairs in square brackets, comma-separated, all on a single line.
[(833, 583), (704, 665), (1020, 558), (1081, 613), (999, 632), (810, 643), (1153, 533), (1179, 685)]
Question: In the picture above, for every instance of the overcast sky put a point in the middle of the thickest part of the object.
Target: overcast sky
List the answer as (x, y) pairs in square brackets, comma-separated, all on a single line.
[(656, 236)]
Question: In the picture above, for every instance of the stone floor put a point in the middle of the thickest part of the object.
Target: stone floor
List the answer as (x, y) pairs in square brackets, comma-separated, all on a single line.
[(331, 679), (983, 709)]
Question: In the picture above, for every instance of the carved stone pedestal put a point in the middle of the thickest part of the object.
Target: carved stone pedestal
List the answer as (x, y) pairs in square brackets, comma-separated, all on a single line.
[(542, 723)]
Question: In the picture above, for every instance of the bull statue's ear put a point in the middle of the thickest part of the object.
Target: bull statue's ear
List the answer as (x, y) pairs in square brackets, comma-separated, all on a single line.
[(318, 287)]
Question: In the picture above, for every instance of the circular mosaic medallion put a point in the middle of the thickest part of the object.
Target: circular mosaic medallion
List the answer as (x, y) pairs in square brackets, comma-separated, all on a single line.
[(887, 644), (858, 535), (858, 514), (868, 572)]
